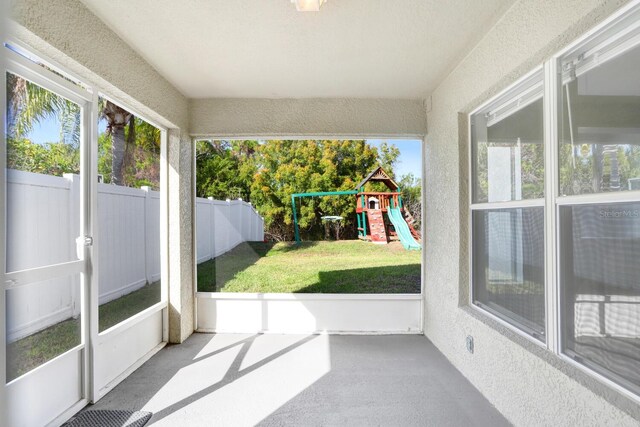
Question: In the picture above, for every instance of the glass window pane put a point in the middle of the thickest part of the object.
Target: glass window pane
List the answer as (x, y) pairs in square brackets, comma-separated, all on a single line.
[(508, 154), (600, 288), (508, 265), (128, 214), (600, 128), (43, 186), (43, 321)]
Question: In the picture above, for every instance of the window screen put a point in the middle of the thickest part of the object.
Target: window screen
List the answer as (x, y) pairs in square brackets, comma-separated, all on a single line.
[(507, 151), (599, 254), (508, 267)]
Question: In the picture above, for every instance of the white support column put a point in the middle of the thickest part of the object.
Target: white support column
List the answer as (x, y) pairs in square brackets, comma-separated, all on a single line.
[(164, 233)]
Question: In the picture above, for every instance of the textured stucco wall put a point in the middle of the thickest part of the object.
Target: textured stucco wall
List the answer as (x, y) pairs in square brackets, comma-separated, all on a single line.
[(527, 383), (307, 117), (181, 220), (68, 33)]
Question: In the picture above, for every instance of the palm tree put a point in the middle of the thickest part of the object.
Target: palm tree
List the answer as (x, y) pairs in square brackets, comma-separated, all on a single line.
[(117, 118), (29, 104)]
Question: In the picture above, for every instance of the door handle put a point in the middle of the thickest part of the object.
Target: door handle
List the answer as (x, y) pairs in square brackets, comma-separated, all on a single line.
[(81, 243)]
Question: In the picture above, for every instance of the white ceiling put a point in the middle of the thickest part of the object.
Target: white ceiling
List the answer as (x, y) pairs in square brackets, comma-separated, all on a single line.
[(266, 49)]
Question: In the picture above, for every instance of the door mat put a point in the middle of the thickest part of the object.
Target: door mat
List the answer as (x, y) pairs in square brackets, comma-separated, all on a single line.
[(109, 418)]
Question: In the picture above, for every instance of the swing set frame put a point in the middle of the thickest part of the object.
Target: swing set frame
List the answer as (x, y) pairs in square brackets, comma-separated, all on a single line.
[(313, 194)]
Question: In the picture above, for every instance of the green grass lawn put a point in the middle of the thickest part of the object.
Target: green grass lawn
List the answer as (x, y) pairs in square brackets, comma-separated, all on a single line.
[(32, 351), (114, 312), (349, 266)]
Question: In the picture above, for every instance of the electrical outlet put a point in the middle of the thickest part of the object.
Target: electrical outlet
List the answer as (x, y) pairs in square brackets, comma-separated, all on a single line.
[(470, 344)]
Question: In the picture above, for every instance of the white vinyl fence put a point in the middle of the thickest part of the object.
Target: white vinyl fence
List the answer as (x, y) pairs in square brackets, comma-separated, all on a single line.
[(222, 225), (43, 223)]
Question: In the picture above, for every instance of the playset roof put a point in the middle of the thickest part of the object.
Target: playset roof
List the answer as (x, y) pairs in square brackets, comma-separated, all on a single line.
[(379, 174)]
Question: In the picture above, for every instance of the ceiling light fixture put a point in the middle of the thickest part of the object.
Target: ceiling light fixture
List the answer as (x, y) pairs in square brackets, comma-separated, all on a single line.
[(308, 5)]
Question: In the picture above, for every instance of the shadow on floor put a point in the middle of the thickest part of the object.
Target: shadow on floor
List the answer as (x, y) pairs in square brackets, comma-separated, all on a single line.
[(233, 379)]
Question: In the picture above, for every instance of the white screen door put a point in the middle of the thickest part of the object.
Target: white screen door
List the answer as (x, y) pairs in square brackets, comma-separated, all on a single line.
[(46, 285), (84, 303)]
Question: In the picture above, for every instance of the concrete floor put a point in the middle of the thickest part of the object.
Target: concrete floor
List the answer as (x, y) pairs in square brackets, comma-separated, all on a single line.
[(302, 380)]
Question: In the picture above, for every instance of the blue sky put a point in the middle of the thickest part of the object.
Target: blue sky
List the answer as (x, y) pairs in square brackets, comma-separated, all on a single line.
[(49, 131), (410, 160), (46, 131)]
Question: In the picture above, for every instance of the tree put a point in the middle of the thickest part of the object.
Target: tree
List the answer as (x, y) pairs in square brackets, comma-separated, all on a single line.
[(267, 173), (117, 118), (287, 167), (388, 156), (224, 169), (128, 154), (51, 158), (29, 104), (412, 196)]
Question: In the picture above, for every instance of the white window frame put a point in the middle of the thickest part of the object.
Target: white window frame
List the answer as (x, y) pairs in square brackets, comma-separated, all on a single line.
[(620, 32), (521, 90), (615, 36)]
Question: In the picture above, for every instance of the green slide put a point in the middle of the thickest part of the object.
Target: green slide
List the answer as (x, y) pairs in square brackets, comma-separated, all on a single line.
[(402, 229)]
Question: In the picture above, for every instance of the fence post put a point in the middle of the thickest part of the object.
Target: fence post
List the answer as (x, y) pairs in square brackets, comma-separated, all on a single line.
[(248, 220), (241, 207), (147, 233), (211, 227), (230, 228), (254, 225), (236, 223), (74, 227), (245, 210)]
